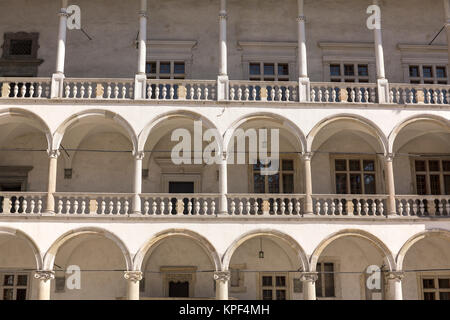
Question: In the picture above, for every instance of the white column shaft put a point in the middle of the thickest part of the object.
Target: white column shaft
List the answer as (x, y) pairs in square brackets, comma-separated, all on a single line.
[(309, 290), (390, 186), (223, 185), (221, 290), (142, 38), (302, 58), (44, 289), (132, 290), (395, 289), (308, 186), (52, 174), (223, 63), (137, 184), (62, 36)]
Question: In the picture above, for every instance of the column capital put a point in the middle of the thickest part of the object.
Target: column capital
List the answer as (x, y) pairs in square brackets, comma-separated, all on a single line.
[(44, 275), (309, 276), (143, 14), (139, 155), (307, 156), (63, 13), (395, 275), (222, 275), (223, 15), (133, 276), (389, 157), (301, 18), (53, 153)]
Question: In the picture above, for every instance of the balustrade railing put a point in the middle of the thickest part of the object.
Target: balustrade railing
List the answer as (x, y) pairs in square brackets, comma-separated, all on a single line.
[(423, 205), (92, 204), (419, 93), (180, 204), (279, 91), (25, 88), (334, 92), (181, 90), (349, 205), (265, 205), (22, 203), (98, 88)]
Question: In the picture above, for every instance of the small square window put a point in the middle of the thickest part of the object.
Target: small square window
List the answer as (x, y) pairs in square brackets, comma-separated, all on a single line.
[(151, 67), (349, 70), (179, 68), (68, 174), (164, 68), (355, 165), (21, 47), (434, 165), (427, 72), (428, 284), (22, 280), (255, 69), (369, 165), (441, 72), (414, 72), (269, 69), (288, 165), (283, 69), (420, 165), (446, 165), (340, 165), (60, 284), (267, 281), (267, 294), (280, 281), (335, 70), (8, 280), (363, 70), (444, 283)]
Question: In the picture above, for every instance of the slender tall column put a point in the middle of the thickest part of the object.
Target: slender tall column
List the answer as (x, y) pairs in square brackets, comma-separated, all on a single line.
[(304, 84), (141, 78), (222, 80), (395, 285), (45, 278), (306, 157), (52, 174), (309, 285), (383, 85), (222, 278), (133, 278), (58, 77), (223, 185), (137, 182), (390, 183), (447, 25)]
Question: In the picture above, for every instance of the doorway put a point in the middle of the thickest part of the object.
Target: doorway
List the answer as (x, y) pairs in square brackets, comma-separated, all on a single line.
[(181, 187), (178, 289)]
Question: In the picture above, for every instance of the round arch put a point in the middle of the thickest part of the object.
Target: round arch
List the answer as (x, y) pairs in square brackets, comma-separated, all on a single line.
[(51, 253), (88, 114), (29, 118), (440, 233), (384, 250), (145, 133), (199, 239), (373, 129), (422, 117), (267, 233), (23, 236), (286, 123)]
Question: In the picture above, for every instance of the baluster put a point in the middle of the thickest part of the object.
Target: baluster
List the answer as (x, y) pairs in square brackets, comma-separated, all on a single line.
[(366, 95), (400, 207), (31, 90), (39, 90), (24, 206), (447, 207), (428, 96), (313, 95), (67, 91), (340, 207), (297, 207), (287, 94), (283, 207), (124, 90), (333, 95), (157, 92), (213, 93), (103, 207), (118, 207), (149, 91), (241, 207), (279, 94), (205, 207), (325, 207), (147, 207), (275, 206), (233, 208), (39, 207), (248, 206), (16, 90), (111, 207), (408, 208), (189, 207), (239, 95), (171, 92), (254, 93), (108, 91), (82, 90), (83, 207), (213, 207), (206, 93), (67, 206), (320, 95), (353, 95), (246, 93), (358, 207), (23, 90), (318, 209), (116, 91), (415, 208), (366, 208), (32, 206), (441, 97), (327, 95), (440, 208), (170, 207), (381, 208), (60, 206), (75, 207), (126, 207), (391, 96), (164, 92), (255, 207), (232, 93), (272, 94), (422, 207), (374, 207), (197, 207), (333, 207), (294, 94), (290, 207), (162, 207), (90, 90), (359, 95)]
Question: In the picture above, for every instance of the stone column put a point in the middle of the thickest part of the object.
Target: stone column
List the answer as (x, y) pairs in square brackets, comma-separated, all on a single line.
[(309, 285), (382, 83), (223, 185), (447, 27), (133, 278), (45, 281), (390, 183), (395, 285), (222, 79), (222, 278), (52, 175), (58, 77), (304, 84), (306, 157), (137, 182), (140, 89)]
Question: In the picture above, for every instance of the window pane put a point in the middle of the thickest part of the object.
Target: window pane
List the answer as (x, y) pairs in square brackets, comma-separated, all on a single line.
[(427, 72), (288, 165), (435, 184), (441, 72), (21, 47), (151, 67), (255, 69), (349, 70), (267, 294), (281, 294), (8, 280), (259, 183), (274, 183), (267, 281), (341, 183), (369, 183), (420, 165), (414, 72), (421, 184), (355, 165), (355, 184), (329, 279), (363, 70), (281, 281), (269, 69), (22, 280), (283, 69), (288, 183), (369, 165), (444, 295), (340, 165), (447, 184), (444, 283), (164, 68), (446, 165), (335, 70), (428, 283), (234, 277), (179, 68), (21, 294), (434, 165), (429, 296), (319, 281), (8, 294)]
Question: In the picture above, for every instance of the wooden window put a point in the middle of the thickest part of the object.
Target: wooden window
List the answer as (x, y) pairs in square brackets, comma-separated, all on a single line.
[(432, 176), (268, 71), (166, 70), (14, 286), (274, 286), (428, 74), (325, 284), (435, 287), (349, 72), (281, 182), (355, 176)]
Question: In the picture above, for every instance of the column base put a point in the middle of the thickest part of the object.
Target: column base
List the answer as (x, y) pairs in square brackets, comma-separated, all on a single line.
[(383, 91), (304, 90), (57, 87), (140, 87), (223, 88)]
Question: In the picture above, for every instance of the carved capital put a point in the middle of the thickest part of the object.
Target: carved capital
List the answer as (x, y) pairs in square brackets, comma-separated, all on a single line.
[(44, 275), (139, 155), (307, 156), (53, 153), (143, 14), (309, 276), (223, 15), (134, 276), (395, 275), (63, 13), (222, 276), (389, 157), (301, 18)]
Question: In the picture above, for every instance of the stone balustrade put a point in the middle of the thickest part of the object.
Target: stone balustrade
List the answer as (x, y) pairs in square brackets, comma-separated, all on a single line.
[(25, 88), (98, 89), (31, 203), (272, 91), (180, 204), (419, 94), (200, 90), (265, 205), (422, 206), (92, 204), (331, 92), (350, 205)]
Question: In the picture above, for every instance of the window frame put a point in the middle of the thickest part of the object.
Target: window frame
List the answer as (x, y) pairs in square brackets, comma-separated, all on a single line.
[(428, 173), (166, 76), (274, 286), (280, 173), (15, 287), (262, 77), (421, 79), (321, 263), (356, 77), (435, 276)]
